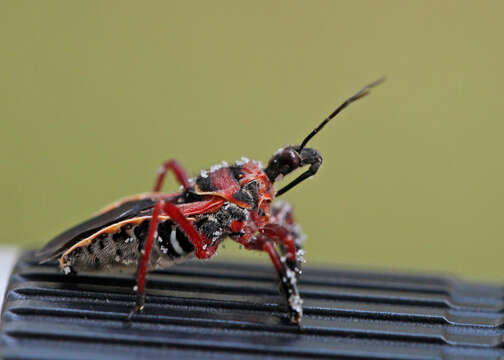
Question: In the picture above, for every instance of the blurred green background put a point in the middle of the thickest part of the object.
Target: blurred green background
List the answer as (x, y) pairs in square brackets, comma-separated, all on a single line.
[(95, 95)]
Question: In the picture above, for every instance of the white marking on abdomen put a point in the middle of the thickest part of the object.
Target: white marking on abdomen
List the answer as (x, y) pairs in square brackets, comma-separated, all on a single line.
[(175, 243)]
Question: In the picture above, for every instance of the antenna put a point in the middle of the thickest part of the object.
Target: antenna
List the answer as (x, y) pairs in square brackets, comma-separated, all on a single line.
[(361, 93)]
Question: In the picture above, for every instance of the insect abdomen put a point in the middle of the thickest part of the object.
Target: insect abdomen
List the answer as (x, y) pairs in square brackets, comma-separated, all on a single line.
[(122, 249), (172, 243)]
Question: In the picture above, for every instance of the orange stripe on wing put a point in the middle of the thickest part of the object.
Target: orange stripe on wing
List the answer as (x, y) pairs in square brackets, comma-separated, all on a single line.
[(195, 208), (107, 230)]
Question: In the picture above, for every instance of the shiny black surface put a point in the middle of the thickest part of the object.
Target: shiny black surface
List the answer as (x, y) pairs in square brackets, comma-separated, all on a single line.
[(218, 310)]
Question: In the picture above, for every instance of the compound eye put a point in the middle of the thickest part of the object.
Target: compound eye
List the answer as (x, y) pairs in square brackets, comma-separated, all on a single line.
[(289, 160)]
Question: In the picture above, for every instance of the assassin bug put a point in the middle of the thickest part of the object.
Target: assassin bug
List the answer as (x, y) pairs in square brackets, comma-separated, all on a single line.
[(153, 230)]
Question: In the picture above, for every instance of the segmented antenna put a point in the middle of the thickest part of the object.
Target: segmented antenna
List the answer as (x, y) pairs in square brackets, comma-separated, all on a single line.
[(361, 93)]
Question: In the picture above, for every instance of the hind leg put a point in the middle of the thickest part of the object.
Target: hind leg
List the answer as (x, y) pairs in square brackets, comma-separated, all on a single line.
[(178, 171), (200, 242)]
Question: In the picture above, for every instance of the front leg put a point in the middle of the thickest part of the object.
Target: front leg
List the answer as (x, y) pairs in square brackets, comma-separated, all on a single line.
[(268, 239), (282, 214), (288, 279)]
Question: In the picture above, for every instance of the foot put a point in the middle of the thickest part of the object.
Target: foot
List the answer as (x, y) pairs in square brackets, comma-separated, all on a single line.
[(139, 306)]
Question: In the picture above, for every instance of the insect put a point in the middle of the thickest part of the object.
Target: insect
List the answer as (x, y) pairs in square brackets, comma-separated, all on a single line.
[(156, 230)]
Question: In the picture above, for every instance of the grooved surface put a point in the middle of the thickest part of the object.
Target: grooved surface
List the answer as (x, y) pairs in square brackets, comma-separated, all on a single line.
[(217, 310)]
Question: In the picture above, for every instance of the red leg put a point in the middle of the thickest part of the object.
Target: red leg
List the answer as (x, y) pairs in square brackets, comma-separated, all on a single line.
[(287, 277), (281, 235), (177, 169), (281, 214), (288, 267), (143, 264), (201, 243), (284, 235)]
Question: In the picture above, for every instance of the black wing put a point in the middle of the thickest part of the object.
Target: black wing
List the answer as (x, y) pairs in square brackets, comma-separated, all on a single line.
[(70, 237)]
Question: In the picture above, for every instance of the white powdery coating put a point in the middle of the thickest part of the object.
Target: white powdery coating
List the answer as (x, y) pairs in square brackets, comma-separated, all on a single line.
[(127, 262), (301, 236), (291, 276), (204, 174), (300, 256), (296, 303), (245, 160), (285, 208), (242, 161), (258, 163), (174, 243), (218, 166), (279, 151), (298, 271), (191, 183)]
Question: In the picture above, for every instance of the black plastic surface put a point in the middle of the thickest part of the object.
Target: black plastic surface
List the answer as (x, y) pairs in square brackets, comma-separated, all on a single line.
[(217, 310)]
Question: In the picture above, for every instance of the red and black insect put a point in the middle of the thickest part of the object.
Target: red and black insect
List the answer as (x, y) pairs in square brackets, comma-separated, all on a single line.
[(154, 230)]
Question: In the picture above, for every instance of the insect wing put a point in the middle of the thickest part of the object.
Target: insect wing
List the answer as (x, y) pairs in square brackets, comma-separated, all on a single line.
[(73, 235)]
